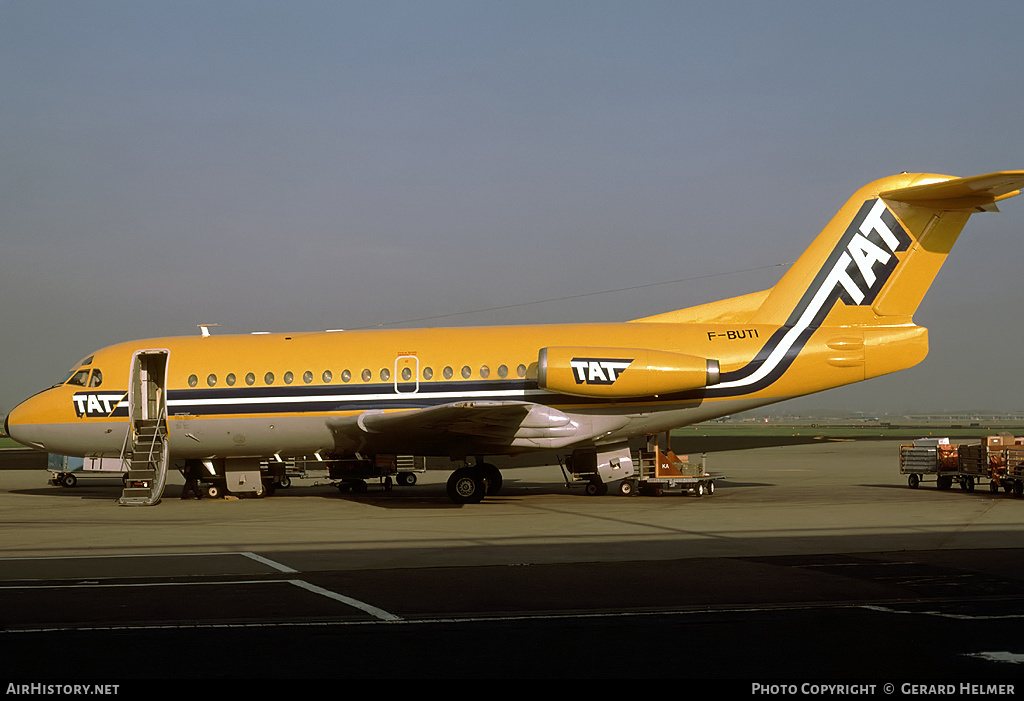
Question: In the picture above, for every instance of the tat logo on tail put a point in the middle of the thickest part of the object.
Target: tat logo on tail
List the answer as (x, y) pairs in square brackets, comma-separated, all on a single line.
[(864, 259)]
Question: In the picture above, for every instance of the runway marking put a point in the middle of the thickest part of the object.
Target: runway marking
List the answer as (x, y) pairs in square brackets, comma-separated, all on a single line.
[(1011, 657), (251, 556), (940, 614), (269, 563), (347, 600), (372, 610), (391, 619)]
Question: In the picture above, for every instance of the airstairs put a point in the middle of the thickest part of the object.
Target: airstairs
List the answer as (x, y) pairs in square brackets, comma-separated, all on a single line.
[(144, 457), (144, 454)]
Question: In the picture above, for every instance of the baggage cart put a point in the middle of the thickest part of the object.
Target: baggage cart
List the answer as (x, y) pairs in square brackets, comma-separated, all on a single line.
[(66, 471)]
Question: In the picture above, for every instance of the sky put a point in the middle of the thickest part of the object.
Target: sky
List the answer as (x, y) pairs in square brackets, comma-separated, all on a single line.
[(300, 166)]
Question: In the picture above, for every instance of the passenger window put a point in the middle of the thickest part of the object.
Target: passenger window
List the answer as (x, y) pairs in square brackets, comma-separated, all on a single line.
[(367, 376), (466, 372), (211, 380), (502, 371), (328, 377), (346, 376), (406, 374), (250, 379), (485, 371), (288, 377), (448, 373), (79, 378), (521, 370), (428, 373), (230, 379), (269, 378), (307, 377), (193, 380), (97, 378), (385, 374)]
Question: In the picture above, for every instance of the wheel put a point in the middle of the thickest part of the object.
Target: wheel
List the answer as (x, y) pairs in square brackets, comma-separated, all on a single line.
[(699, 489), (627, 488), (69, 480), (993, 487), (406, 478), (1018, 488), (596, 488), (212, 491), (944, 482), (913, 481), (284, 482), (711, 488), (652, 490), (970, 484), (466, 486)]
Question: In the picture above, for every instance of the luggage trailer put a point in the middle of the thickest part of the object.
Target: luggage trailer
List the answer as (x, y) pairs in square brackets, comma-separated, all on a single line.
[(999, 461)]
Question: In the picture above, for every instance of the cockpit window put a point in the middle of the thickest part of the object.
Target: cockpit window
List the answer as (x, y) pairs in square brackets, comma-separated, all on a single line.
[(97, 378), (79, 378)]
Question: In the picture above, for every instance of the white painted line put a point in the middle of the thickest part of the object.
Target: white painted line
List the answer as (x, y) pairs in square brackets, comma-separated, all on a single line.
[(355, 603), (269, 563)]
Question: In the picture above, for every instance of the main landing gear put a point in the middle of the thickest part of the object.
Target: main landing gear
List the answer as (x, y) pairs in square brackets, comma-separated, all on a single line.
[(470, 484)]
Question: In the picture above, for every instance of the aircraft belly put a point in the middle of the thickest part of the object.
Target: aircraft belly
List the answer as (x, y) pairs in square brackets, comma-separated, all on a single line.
[(193, 437), (95, 438)]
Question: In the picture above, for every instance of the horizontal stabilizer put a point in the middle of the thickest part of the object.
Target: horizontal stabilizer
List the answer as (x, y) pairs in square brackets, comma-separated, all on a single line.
[(975, 192)]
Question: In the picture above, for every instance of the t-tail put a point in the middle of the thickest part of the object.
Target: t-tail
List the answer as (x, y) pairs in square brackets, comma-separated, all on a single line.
[(863, 277), (844, 310), (876, 259)]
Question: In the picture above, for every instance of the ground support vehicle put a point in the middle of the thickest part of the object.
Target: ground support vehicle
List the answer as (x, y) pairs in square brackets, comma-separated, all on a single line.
[(66, 471), (351, 474), (998, 460), (665, 470), (648, 472)]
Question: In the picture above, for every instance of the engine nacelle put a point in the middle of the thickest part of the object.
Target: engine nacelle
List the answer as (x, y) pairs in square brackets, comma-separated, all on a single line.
[(622, 372)]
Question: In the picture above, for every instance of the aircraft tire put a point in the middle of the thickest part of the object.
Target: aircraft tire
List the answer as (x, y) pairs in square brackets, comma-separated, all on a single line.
[(466, 486)]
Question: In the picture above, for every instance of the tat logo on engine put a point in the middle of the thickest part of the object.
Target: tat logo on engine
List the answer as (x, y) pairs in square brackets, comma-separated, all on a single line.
[(599, 371)]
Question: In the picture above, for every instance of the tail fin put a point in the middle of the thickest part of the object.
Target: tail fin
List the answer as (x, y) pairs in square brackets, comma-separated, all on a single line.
[(878, 256)]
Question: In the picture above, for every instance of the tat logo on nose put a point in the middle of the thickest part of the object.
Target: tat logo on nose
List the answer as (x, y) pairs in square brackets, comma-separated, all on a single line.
[(92, 404)]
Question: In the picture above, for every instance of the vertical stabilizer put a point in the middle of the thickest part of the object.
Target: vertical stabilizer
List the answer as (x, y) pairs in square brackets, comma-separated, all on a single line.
[(878, 256)]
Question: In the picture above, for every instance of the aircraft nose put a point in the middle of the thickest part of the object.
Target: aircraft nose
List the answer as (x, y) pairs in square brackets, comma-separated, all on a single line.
[(20, 426)]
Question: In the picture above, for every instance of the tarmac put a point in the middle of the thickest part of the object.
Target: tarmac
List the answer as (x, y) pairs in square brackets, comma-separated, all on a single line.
[(806, 553)]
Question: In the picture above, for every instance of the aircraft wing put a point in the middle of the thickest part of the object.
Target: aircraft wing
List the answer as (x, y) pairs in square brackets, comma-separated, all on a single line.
[(468, 424)]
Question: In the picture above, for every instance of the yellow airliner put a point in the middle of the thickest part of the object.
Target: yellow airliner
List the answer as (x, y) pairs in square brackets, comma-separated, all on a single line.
[(227, 404)]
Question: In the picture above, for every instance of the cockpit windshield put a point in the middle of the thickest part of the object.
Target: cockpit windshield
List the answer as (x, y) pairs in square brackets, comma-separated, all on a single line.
[(79, 375)]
